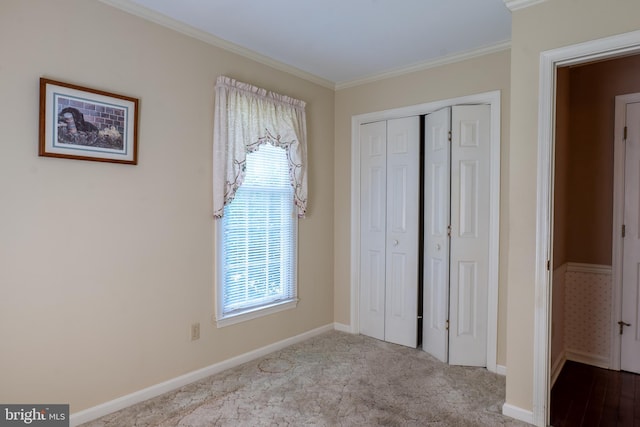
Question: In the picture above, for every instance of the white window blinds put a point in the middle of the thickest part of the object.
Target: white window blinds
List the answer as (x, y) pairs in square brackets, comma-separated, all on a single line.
[(259, 236)]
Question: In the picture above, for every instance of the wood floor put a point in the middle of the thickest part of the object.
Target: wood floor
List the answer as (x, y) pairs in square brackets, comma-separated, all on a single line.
[(584, 395)]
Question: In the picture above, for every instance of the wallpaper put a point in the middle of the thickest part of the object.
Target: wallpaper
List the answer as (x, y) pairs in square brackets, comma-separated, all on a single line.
[(588, 312)]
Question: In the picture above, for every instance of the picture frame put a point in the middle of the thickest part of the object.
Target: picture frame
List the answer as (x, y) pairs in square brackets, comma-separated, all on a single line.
[(81, 123)]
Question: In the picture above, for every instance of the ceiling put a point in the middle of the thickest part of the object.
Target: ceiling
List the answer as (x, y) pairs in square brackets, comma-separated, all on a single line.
[(341, 42)]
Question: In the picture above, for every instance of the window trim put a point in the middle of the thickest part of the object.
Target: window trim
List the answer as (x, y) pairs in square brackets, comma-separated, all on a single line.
[(255, 313)]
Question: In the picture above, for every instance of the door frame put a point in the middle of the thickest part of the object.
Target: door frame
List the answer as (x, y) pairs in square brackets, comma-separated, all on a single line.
[(600, 49), (618, 219), (491, 98)]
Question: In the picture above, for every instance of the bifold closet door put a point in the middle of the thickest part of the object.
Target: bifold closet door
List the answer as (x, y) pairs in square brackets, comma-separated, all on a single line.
[(389, 228), (437, 193), (373, 230), (456, 234), (470, 168)]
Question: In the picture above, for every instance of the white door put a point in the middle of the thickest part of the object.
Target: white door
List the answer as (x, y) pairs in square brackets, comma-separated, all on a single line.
[(373, 233), (389, 221), (456, 234), (470, 167), (630, 346), (436, 240), (403, 196)]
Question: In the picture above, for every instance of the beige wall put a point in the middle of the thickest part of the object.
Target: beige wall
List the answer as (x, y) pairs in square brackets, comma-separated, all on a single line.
[(483, 74), (103, 267), (548, 25)]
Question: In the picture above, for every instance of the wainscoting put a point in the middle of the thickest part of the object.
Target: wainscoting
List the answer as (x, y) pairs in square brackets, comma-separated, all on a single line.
[(581, 316)]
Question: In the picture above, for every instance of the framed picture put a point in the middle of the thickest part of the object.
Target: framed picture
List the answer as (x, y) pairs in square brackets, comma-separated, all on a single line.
[(87, 124)]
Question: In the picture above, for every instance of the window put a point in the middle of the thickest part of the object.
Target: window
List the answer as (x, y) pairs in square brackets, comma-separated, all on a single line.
[(258, 236), (259, 192)]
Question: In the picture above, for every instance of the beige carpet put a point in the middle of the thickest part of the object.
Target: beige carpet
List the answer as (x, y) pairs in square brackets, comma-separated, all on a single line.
[(335, 379)]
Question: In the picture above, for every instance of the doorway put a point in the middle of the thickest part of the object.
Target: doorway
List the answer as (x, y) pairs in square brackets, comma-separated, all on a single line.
[(493, 100), (613, 47), (584, 234)]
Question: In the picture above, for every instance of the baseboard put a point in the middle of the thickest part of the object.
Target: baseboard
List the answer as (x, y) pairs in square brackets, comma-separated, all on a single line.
[(557, 367), (587, 358), (175, 383), (342, 327), (517, 413), (501, 370)]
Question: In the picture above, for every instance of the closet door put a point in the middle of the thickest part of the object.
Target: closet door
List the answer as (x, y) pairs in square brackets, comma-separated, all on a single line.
[(373, 233), (403, 217), (389, 227), (436, 239), (470, 167), (456, 234)]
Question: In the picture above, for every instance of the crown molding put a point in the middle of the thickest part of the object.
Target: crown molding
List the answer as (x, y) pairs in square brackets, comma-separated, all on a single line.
[(135, 9), (520, 4), (158, 18), (450, 59)]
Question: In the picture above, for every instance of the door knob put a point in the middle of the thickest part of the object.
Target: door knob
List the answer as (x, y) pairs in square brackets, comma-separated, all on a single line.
[(395, 243), (438, 246), (622, 325)]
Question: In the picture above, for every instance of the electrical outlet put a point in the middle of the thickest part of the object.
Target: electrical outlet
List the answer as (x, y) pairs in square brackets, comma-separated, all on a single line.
[(195, 331)]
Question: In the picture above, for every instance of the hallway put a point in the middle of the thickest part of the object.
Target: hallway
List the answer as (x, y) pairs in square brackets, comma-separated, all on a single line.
[(584, 395)]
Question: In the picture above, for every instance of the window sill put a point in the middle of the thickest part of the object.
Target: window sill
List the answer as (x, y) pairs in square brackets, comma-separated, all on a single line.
[(256, 313)]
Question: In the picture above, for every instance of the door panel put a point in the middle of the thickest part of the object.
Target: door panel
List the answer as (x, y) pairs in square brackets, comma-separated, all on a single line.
[(467, 291), (468, 207), (373, 218), (470, 168), (630, 347), (396, 285), (398, 199), (403, 183), (436, 240)]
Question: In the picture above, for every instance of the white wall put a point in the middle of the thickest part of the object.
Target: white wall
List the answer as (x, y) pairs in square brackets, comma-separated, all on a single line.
[(103, 267)]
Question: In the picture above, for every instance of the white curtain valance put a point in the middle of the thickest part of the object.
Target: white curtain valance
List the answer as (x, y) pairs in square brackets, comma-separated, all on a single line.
[(245, 118)]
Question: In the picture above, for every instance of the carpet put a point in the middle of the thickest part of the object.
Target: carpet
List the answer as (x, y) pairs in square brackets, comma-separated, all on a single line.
[(334, 379)]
